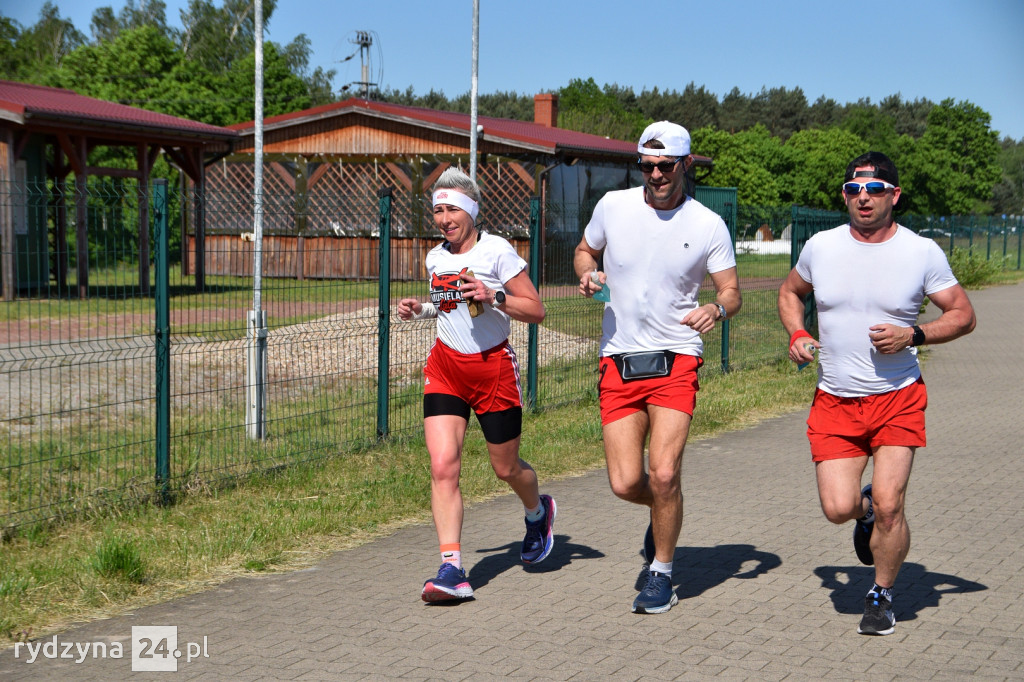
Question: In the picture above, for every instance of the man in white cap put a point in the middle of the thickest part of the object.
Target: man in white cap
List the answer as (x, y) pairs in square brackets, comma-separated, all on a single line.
[(657, 245)]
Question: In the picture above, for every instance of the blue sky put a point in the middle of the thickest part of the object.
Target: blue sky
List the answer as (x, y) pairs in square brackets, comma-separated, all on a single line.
[(966, 50)]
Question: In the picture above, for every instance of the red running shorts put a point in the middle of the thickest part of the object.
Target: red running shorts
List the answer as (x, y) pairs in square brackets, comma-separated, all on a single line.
[(852, 427), (677, 391), (488, 381)]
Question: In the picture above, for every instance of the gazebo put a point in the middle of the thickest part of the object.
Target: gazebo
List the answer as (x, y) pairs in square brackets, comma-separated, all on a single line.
[(47, 134)]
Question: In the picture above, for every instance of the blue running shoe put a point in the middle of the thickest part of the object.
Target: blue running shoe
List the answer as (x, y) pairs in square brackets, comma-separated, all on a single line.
[(450, 584), (657, 595), (862, 531), (540, 537)]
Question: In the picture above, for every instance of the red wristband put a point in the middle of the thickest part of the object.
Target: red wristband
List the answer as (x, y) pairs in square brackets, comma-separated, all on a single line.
[(798, 334)]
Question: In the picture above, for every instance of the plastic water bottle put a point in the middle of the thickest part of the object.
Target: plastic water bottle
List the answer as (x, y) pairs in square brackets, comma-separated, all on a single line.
[(605, 294), (810, 349)]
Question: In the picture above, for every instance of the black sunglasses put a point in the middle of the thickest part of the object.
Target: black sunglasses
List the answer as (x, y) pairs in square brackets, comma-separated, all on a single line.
[(853, 189), (663, 166)]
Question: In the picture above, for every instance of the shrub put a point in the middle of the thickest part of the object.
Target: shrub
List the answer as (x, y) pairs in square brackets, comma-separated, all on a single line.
[(972, 269)]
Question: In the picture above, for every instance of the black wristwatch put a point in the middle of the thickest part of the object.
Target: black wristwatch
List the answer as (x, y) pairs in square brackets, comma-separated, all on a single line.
[(499, 298), (918, 337)]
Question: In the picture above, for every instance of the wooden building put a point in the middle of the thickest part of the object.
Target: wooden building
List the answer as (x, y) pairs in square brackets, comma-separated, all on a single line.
[(331, 160), (47, 134)]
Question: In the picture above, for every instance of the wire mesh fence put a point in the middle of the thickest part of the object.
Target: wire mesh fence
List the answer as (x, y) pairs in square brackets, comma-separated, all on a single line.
[(78, 363)]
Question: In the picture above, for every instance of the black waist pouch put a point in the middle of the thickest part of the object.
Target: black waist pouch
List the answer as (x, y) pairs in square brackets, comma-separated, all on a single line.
[(644, 364)]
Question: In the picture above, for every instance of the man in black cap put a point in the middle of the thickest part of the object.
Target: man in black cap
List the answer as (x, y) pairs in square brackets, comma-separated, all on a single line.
[(869, 278)]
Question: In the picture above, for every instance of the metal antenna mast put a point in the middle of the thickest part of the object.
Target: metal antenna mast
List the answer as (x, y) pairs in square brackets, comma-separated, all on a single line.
[(364, 41)]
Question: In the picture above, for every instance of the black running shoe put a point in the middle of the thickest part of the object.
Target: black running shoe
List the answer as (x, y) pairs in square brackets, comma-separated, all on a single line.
[(862, 531), (878, 617)]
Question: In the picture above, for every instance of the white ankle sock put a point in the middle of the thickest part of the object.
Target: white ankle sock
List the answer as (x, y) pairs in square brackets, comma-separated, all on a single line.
[(659, 567)]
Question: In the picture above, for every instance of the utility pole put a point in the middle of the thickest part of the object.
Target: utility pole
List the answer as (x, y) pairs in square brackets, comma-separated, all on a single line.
[(473, 128), (256, 322)]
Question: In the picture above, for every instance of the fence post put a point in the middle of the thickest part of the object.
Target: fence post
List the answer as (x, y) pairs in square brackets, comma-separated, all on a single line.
[(1020, 239), (383, 309), (1006, 236), (162, 341), (730, 210), (988, 240), (799, 234), (532, 344)]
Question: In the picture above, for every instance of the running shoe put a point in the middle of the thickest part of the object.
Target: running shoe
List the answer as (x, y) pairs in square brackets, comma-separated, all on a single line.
[(657, 595), (862, 531), (878, 617), (449, 585), (540, 537)]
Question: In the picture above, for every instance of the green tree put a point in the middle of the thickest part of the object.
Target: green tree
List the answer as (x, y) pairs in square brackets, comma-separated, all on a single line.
[(870, 124), (908, 118), (824, 113), (40, 49), (584, 106), (820, 157), (217, 37), (693, 108), (283, 90), (1008, 194), (296, 55), (105, 25), (408, 97), (142, 67), (10, 57), (954, 165), (735, 112), (752, 161), (781, 111)]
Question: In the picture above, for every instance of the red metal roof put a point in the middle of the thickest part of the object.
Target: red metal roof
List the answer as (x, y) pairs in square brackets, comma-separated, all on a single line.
[(527, 134), (24, 104)]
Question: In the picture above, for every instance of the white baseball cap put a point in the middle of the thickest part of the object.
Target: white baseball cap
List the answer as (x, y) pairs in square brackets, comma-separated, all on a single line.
[(672, 135)]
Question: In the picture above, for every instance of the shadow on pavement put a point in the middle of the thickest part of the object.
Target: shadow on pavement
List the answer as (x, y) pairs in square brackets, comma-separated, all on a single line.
[(697, 569), (497, 563), (916, 588)]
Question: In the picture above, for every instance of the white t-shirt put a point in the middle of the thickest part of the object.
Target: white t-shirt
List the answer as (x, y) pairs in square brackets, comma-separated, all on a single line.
[(859, 285), (494, 261), (655, 262)]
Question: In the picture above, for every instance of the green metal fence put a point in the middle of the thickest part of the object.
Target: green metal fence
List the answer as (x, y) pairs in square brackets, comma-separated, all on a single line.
[(127, 390)]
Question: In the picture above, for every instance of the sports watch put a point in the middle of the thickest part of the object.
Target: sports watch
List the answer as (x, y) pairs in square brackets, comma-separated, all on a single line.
[(721, 311), (918, 338), (499, 298)]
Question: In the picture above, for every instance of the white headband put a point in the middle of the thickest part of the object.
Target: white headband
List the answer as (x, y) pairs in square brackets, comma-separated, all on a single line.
[(674, 136), (454, 197)]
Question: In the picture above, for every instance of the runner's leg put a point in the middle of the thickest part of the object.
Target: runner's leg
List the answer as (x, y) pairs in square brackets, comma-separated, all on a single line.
[(444, 435)]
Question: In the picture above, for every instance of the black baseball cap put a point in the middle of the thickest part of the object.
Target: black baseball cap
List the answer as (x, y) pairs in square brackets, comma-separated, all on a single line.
[(884, 168)]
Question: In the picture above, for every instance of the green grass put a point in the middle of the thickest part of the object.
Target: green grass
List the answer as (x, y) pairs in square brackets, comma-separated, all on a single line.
[(754, 266), (322, 481), (57, 573)]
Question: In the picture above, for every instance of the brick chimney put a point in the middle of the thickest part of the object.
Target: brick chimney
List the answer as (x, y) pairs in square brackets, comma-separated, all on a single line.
[(545, 110)]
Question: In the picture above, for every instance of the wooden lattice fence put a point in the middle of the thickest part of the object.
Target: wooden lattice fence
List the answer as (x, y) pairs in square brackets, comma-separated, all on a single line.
[(320, 215)]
